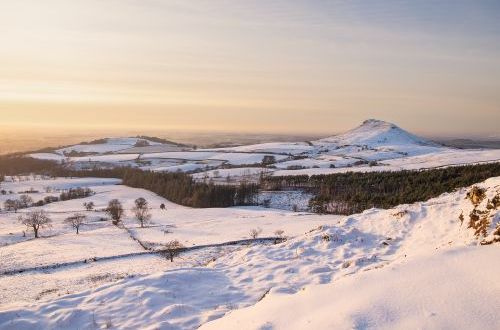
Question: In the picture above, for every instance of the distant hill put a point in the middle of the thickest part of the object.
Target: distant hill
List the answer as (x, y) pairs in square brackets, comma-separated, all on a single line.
[(470, 143), (373, 133)]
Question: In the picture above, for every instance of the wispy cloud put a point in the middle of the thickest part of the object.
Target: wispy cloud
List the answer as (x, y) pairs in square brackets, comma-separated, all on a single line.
[(342, 61)]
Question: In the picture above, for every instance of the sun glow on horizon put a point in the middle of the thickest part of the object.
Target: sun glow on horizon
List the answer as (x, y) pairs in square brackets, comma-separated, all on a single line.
[(291, 67)]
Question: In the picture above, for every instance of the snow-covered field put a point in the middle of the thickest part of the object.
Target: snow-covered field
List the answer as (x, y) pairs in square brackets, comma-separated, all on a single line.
[(233, 158), (109, 145), (294, 148), (115, 158), (431, 264), (373, 146), (413, 266), (443, 158), (100, 239), (40, 183)]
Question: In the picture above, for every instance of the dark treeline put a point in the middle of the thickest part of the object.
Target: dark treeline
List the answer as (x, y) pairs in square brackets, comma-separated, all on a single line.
[(348, 193), (19, 165), (342, 193), (177, 187), (75, 193)]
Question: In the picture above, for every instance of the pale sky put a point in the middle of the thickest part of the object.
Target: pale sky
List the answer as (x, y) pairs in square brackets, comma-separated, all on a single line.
[(433, 67)]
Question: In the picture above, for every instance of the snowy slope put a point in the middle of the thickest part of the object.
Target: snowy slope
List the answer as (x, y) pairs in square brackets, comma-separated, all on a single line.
[(110, 145), (415, 246), (444, 158), (100, 239), (374, 132), (455, 289), (41, 184), (113, 158), (48, 156)]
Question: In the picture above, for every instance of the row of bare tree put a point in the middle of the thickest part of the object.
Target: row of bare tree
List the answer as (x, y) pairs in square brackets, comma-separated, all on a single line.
[(39, 219), (141, 210)]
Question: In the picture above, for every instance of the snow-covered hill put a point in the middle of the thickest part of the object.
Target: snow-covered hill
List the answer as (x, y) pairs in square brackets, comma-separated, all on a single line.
[(373, 146), (455, 289), (119, 145), (413, 266), (376, 133)]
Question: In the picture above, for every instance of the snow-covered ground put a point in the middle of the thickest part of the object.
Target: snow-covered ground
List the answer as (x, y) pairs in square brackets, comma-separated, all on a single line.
[(109, 145), (413, 266), (100, 239), (40, 183), (294, 148), (115, 158), (48, 156), (453, 289), (449, 157), (232, 175), (285, 200), (233, 158), (373, 146)]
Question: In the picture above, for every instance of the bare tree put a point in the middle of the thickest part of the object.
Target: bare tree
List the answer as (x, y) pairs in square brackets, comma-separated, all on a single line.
[(280, 236), (268, 160), (254, 233), (141, 211), (115, 210), (279, 233), (25, 201), (172, 249), (35, 220), (141, 143), (141, 202), (76, 221), (89, 206), (11, 205)]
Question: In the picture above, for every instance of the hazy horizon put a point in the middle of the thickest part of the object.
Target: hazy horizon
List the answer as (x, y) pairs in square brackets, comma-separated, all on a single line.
[(279, 67), (14, 139)]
